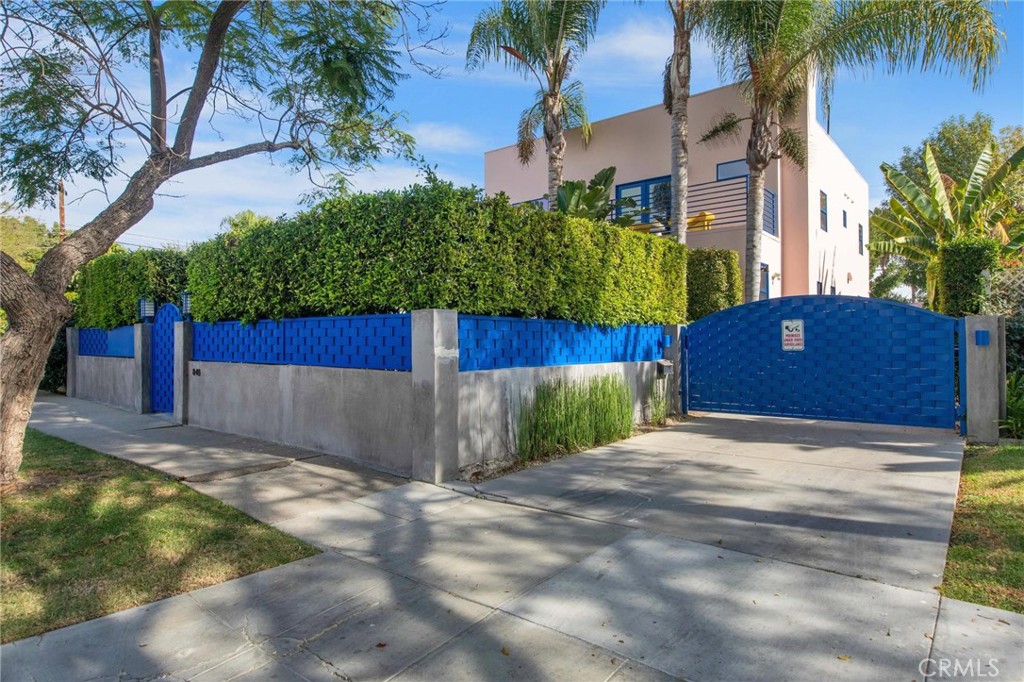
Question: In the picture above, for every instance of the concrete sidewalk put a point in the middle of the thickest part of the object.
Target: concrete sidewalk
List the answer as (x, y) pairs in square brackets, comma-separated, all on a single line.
[(420, 582)]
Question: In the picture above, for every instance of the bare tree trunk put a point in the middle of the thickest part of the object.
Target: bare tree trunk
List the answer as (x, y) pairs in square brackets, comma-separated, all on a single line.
[(680, 90), (755, 218)]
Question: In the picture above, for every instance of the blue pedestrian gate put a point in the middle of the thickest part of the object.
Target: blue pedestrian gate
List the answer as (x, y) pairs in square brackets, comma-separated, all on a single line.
[(825, 357), (161, 358)]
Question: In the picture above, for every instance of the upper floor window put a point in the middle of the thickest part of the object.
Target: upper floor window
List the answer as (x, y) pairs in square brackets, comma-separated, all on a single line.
[(860, 239), (653, 199), (732, 169), (824, 211)]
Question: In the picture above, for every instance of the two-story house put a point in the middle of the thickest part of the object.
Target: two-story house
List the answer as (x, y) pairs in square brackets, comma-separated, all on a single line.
[(816, 219)]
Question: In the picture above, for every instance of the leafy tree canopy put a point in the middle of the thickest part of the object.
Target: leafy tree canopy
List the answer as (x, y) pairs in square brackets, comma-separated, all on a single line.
[(25, 238), (957, 142), (82, 78)]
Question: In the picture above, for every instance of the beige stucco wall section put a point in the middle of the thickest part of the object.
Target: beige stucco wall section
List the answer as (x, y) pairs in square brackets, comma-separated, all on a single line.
[(638, 144)]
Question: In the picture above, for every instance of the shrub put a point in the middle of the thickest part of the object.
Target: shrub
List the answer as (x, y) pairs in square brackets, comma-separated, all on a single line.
[(110, 286), (713, 281), (1014, 422), (564, 417), (438, 246), (656, 410), (960, 266)]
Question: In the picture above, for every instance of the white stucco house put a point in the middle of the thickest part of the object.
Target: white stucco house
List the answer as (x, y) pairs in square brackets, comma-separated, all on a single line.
[(816, 218)]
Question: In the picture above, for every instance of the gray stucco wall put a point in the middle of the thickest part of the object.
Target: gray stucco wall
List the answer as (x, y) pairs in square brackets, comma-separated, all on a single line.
[(365, 415), (113, 381), (489, 402)]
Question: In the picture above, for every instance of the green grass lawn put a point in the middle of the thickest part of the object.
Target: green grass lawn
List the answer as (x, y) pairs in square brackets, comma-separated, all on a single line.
[(985, 564), (83, 535)]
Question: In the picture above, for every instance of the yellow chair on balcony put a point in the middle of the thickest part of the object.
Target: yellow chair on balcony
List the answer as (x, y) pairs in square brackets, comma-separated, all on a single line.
[(701, 221)]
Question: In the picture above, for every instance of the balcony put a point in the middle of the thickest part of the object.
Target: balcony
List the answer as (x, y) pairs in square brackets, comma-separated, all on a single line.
[(727, 202), (711, 206)]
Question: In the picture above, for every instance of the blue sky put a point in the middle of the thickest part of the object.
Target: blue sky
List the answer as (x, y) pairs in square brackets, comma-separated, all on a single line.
[(457, 117)]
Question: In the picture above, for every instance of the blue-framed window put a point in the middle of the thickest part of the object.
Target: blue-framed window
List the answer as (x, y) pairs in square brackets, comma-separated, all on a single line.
[(732, 169), (768, 222), (844, 218), (823, 200), (765, 279), (653, 200), (860, 239)]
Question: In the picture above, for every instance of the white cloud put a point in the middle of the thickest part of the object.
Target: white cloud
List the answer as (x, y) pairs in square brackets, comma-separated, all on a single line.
[(634, 54), (446, 138)]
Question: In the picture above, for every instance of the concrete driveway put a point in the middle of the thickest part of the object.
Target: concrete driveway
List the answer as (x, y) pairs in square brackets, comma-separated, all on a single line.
[(729, 548), (867, 501)]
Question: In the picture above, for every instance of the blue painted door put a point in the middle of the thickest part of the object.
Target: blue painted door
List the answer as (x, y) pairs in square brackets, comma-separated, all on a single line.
[(825, 357), (161, 368)]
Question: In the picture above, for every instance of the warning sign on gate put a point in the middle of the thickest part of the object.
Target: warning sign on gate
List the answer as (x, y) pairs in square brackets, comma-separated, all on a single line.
[(792, 335)]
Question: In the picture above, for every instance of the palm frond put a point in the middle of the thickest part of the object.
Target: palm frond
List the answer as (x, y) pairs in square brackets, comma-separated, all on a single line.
[(574, 109), (975, 183), (531, 119), (794, 146), (727, 126)]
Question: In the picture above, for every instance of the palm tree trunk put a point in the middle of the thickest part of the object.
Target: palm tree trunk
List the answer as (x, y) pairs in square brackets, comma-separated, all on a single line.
[(554, 138), (755, 219), (680, 80)]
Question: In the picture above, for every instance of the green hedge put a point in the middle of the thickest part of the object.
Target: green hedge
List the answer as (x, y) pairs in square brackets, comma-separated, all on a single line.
[(961, 285), (713, 281), (110, 286), (438, 246)]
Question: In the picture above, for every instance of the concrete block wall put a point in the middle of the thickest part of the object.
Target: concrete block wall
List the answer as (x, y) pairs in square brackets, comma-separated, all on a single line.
[(430, 423), (488, 404), (364, 415), (118, 381)]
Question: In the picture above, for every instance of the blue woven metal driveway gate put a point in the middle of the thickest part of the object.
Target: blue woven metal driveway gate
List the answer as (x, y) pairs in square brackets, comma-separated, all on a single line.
[(825, 357), (161, 358)]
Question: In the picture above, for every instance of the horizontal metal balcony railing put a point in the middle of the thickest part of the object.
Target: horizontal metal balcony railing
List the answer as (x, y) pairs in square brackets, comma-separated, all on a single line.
[(726, 200)]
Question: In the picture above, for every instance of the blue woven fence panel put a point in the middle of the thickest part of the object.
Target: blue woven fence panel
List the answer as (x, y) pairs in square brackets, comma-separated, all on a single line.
[(357, 341), (864, 360), (161, 345), (503, 342), (116, 343)]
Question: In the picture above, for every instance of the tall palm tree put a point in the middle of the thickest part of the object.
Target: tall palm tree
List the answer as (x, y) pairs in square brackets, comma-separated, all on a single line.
[(776, 46), (541, 40), (687, 18)]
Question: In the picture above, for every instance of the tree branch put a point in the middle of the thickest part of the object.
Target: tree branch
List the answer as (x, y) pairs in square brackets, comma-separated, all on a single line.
[(236, 153), (18, 292), (157, 83), (205, 72)]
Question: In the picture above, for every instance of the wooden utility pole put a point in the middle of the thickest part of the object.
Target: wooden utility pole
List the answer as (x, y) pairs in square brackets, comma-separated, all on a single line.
[(60, 195)]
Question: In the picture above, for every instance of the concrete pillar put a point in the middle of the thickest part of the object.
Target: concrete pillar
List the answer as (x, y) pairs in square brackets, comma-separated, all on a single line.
[(673, 353), (435, 387), (71, 383), (143, 333), (986, 377), (182, 357)]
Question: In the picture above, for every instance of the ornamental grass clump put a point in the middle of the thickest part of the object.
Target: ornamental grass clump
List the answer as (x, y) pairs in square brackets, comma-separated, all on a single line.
[(568, 416)]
